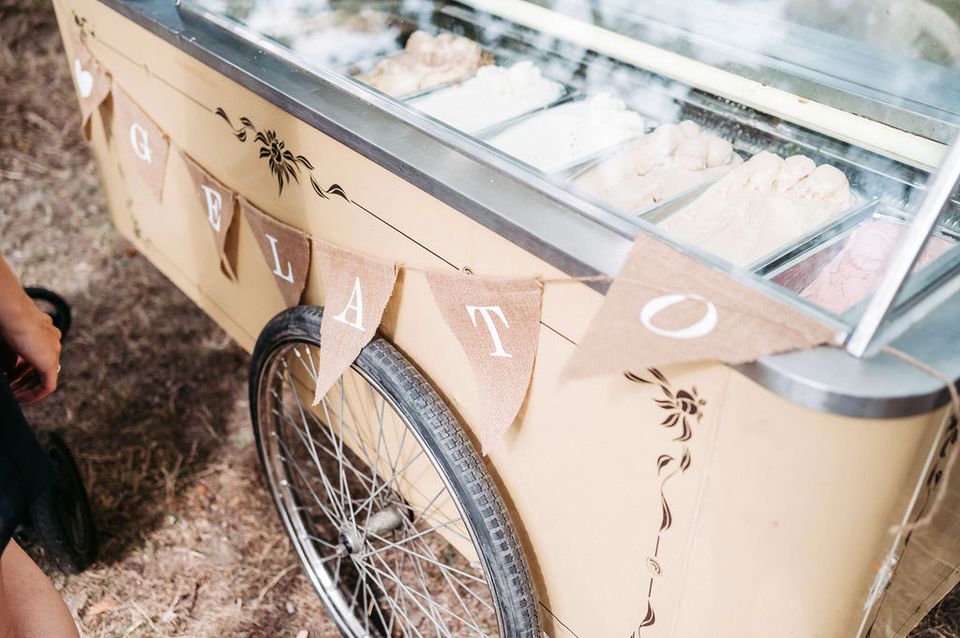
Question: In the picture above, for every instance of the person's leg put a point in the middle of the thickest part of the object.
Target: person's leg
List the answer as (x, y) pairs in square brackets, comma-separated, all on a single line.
[(6, 622), (35, 607)]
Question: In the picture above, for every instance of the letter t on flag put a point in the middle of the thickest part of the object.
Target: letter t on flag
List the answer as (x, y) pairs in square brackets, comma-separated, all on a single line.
[(357, 290), (497, 322)]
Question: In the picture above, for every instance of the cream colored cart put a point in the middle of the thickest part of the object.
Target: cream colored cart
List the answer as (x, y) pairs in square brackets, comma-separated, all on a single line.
[(771, 517)]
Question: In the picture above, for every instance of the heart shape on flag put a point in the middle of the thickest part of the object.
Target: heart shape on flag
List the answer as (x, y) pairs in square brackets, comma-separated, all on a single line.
[(84, 79)]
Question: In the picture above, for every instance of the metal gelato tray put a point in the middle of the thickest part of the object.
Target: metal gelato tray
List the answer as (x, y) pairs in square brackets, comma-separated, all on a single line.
[(799, 268)]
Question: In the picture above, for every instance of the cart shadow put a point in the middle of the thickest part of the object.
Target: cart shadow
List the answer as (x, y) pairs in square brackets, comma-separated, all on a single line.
[(152, 399)]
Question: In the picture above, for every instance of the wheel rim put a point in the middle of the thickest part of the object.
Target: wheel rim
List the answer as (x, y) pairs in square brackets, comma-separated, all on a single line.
[(377, 527)]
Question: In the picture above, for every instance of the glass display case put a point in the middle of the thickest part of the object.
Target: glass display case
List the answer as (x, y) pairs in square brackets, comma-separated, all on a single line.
[(789, 147)]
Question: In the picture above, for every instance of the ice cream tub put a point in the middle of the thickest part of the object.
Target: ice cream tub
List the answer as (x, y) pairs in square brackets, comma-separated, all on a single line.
[(673, 160), (762, 208), (556, 139), (494, 98), (862, 209), (842, 267), (427, 62)]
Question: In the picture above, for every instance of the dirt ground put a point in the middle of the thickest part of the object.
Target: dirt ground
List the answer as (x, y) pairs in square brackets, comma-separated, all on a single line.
[(152, 399)]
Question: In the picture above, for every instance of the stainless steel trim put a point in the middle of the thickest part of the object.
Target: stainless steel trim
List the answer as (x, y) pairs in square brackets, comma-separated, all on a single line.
[(867, 337), (537, 214)]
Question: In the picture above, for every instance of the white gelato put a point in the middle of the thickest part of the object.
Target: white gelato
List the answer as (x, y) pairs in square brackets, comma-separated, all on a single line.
[(669, 161), (428, 61), (565, 134), (761, 206), (494, 95)]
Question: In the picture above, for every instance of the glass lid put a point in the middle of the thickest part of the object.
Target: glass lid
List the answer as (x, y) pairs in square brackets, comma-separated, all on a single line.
[(794, 144)]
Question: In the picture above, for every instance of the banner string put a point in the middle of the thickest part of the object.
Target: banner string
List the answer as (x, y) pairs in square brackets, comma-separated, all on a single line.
[(941, 494)]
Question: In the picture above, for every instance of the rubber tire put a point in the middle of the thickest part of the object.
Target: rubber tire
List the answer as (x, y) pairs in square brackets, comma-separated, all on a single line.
[(63, 506), (61, 315), (423, 409)]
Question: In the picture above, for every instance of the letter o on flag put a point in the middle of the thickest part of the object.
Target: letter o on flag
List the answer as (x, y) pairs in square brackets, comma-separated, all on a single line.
[(701, 328)]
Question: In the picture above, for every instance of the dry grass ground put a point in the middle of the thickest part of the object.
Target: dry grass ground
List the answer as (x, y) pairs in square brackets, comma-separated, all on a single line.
[(153, 393)]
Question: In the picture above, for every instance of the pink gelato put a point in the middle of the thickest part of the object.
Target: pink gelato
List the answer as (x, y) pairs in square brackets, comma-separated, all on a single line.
[(855, 271)]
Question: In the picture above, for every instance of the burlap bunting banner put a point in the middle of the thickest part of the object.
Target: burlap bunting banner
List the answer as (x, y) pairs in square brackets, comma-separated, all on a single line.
[(218, 205), (357, 290), (665, 307), (497, 322), (92, 81), (144, 147), (285, 249)]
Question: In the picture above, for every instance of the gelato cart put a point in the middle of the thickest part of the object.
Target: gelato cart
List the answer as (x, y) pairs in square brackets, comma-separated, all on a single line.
[(802, 149)]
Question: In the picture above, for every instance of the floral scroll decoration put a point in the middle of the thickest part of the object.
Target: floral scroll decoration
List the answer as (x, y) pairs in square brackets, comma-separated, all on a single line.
[(284, 165), (684, 410)]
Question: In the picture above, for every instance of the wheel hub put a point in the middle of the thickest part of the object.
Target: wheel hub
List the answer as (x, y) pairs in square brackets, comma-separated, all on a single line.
[(380, 522), (351, 541)]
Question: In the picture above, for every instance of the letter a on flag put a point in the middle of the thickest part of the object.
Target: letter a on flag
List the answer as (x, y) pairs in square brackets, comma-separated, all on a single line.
[(285, 249), (356, 291), (497, 322)]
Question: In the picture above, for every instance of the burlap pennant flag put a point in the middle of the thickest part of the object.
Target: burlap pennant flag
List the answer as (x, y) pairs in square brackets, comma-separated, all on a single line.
[(285, 249), (497, 322), (667, 308), (357, 291), (91, 79), (144, 147), (218, 204)]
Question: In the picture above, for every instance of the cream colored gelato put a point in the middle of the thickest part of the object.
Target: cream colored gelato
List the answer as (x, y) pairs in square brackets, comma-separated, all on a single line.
[(671, 160), (427, 61), (494, 95), (565, 134), (857, 268), (762, 205)]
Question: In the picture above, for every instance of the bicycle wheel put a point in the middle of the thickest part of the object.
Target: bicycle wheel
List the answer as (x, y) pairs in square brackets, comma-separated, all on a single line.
[(62, 518), (395, 519)]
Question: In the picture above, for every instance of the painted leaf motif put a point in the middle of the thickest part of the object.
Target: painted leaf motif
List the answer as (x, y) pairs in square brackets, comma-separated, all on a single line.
[(306, 163), (671, 420), (666, 405), (663, 462), (666, 391), (667, 519), (633, 377), (650, 618), (336, 189), (659, 376), (685, 459), (316, 188)]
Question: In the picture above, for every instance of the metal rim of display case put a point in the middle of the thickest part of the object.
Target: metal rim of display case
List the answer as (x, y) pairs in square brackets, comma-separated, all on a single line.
[(536, 214)]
